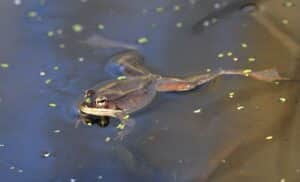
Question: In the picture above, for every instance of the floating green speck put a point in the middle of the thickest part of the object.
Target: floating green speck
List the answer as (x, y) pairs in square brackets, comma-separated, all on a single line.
[(285, 21), (197, 111), (220, 55), (121, 126), (143, 40), (32, 14), (88, 100), (208, 70), (282, 99), (52, 104), (4, 65), (288, 4), (247, 72), (56, 68), (50, 34), (101, 26), (179, 24), (62, 46), (160, 9), (231, 95), (77, 28), (48, 81), (176, 7), (153, 25), (269, 137), (42, 73), (239, 108), (107, 139), (244, 45), (229, 53), (122, 78), (235, 59), (251, 59), (126, 117)]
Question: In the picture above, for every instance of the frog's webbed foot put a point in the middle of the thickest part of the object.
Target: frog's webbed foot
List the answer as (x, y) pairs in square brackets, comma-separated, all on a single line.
[(126, 126), (127, 63)]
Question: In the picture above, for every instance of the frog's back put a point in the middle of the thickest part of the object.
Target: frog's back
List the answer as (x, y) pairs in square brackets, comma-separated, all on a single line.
[(130, 94)]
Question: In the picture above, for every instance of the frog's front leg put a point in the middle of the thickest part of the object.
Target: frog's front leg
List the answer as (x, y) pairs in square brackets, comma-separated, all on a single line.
[(126, 126), (127, 63)]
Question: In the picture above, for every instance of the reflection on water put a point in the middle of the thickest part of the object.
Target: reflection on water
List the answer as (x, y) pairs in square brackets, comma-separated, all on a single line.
[(49, 68)]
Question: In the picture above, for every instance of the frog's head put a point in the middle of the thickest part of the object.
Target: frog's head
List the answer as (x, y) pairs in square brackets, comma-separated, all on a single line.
[(96, 107)]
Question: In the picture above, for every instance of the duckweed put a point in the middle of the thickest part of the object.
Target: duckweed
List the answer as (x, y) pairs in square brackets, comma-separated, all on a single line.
[(179, 24), (251, 59), (220, 55), (231, 95), (101, 26), (50, 34), (197, 111), (229, 53), (77, 28), (160, 9), (126, 117), (122, 78), (32, 14), (4, 65), (282, 99), (121, 126), (143, 40), (244, 45), (52, 104), (176, 7), (246, 72), (269, 137), (48, 81)]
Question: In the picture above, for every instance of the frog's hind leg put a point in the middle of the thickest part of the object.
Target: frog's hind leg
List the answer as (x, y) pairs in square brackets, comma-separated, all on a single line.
[(166, 84), (127, 63)]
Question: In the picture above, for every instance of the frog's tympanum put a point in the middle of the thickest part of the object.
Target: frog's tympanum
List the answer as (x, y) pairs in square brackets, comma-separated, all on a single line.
[(135, 87)]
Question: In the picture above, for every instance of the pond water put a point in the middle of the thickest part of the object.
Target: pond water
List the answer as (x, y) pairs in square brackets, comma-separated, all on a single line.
[(232, 129)]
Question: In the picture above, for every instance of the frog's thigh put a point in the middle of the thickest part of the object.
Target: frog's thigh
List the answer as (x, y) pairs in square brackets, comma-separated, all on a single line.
[(174, 85)]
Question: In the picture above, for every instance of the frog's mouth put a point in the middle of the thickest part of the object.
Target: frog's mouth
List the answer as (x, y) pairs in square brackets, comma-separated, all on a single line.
[(99, 111)]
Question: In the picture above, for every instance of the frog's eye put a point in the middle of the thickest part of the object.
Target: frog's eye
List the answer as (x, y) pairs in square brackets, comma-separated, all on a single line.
[(101, 101), (89, 93)]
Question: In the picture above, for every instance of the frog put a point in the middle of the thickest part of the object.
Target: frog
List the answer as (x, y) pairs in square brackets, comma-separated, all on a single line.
[(134, 87)]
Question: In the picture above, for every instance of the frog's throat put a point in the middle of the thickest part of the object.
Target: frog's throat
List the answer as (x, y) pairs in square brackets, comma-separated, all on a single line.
[(100, 111)]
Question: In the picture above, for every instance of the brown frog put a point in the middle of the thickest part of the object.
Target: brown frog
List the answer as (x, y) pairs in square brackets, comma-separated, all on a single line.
[(135, 87)]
